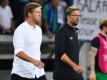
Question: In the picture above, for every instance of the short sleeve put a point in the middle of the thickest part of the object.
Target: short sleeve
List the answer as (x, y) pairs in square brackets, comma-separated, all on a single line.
[(60, 43), (95, 42)]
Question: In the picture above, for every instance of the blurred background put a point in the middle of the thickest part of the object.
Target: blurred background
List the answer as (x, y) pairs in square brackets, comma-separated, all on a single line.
[(53, 17)]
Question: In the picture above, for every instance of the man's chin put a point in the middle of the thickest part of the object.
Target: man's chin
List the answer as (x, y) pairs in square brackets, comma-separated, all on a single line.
[(38, 23), (75, 24)]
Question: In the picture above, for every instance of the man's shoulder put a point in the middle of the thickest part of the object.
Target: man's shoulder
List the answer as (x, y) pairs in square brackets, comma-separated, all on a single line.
[(96, 38), (22, 24), (21, 27), (8, 7), (62, 30), (95, 42)]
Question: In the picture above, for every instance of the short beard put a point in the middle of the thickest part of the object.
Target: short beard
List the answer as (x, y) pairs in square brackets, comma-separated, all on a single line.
[(74, 24)]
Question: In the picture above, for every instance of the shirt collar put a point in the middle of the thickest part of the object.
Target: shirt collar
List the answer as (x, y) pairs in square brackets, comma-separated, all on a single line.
[(30, 26), (70, 27), (103, 36)]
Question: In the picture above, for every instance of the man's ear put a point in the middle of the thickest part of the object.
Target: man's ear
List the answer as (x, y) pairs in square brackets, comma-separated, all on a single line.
[(29, 14), (67, 16)]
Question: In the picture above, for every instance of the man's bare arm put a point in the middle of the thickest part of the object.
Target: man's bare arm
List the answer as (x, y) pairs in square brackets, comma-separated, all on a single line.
[(71, 63), (67, 60), (93, 53), (25, 57)]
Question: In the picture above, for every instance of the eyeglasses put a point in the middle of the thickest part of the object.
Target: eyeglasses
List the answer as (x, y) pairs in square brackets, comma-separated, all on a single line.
[(75, 15)]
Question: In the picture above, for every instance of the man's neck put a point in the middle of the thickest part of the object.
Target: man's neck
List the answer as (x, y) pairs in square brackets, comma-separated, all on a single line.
[(30, 22), (71, 25), (104, 34)]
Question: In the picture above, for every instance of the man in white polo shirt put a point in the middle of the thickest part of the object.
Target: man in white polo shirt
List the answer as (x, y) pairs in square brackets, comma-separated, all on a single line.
[(27, 40), (6, 17)]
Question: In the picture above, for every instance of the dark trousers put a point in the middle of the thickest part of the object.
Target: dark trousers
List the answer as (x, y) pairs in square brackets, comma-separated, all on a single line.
[(64, 79), (17, 77)]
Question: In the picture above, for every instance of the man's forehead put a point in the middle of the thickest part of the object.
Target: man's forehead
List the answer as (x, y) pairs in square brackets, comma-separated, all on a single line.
[(75, 12)]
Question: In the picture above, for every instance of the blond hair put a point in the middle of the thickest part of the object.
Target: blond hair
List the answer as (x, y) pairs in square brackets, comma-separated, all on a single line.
[(71, 9), (103, 22), (30, 7)]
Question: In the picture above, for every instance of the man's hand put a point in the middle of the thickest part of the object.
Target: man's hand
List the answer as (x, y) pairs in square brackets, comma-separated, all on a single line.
[(72, 64), (38, 64), (78, 69), (93, 54), (92, 76), (25, 57)]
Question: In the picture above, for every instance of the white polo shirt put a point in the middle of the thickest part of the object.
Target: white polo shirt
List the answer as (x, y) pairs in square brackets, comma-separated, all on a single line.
[(6, 16), (27, 39)]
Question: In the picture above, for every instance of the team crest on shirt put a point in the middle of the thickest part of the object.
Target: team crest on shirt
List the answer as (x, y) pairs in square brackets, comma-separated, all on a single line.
[(71, 38), (105, 44)]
